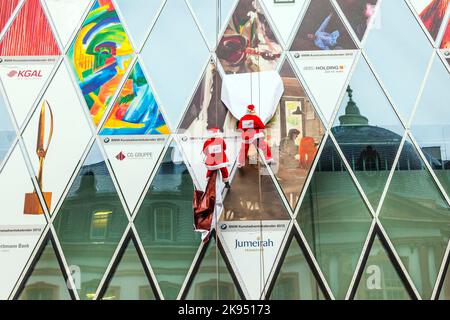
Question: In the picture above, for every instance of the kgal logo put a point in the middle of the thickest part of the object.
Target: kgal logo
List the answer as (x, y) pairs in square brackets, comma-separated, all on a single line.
[(25, 74)]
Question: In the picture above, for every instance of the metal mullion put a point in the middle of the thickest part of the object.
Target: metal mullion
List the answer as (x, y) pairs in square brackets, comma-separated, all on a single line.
[(312, 170), (421, 89), (26, 269), (116, 95), (353, 176), (11, 19), (383, 87), (70, 182), (146, 262), (310, 255), (346, 23), (440, 279), (151, 178), (274, 271), (52, 27), (197, 23), (391, 174), (59, 252), (419, 151), (115, 259), (297, 24), (191, 272), (114, 178), (359, 268), (420, 22), (155, 20), (393, 251)]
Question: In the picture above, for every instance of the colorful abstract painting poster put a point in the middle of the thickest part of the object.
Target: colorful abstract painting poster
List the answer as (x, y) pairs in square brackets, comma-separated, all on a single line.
[(135, 111), (359, 14), (322, 29), (445, 44), (432, 13), (248, 44), (100, 56)]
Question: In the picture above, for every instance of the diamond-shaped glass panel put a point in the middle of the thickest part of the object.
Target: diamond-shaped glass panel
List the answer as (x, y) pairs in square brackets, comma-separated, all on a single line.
[(165, 223), (416, 218), (129, 280), (380, 280), (368, 131), (99, 56), (90, 222), (46, 282), (334, 220)]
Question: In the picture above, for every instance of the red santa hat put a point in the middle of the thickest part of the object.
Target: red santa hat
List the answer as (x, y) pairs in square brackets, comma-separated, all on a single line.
[(214, 132), (251, 108)]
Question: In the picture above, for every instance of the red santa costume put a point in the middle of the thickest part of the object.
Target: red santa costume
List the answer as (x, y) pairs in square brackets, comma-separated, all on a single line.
[(216, 159), (251, 128)]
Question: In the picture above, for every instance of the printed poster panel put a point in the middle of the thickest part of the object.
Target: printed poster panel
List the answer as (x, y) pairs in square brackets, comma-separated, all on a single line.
[(23, 79), (22, 221)]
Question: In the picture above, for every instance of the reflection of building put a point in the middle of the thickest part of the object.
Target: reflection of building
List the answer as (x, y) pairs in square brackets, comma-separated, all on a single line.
[(414, 213)]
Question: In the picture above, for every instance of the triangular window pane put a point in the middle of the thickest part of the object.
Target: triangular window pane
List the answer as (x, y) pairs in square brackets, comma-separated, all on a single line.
[(46, 282)]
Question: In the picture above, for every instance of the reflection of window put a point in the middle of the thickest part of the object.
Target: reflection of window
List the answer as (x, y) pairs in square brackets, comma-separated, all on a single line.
[(163, 222), (41, 291), (99, 223), (208, 291), (286, 287)]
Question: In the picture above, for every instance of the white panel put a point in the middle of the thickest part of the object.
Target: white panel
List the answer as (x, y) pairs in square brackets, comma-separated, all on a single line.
[(71, 134), (23, 79), (19, 232), (325, 74), (133, 159)]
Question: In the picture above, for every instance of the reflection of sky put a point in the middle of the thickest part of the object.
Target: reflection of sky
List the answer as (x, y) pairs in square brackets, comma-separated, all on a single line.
[(431, 123), (370, 99), (138, 14), (5, 119), (94, 156), (400, 51), (175, 54), (207, 15)]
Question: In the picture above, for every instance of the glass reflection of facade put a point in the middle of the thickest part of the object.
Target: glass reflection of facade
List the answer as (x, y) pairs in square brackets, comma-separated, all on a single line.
[(355, 206)]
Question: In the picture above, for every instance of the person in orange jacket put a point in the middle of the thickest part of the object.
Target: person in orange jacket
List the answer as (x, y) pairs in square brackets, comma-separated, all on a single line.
[(251, 128), (216, 159)]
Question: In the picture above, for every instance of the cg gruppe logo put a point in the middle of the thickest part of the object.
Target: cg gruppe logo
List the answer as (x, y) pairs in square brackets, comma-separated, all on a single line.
[(26, 74)]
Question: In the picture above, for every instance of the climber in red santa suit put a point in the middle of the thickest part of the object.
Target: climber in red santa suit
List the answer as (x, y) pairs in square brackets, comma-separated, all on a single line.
[(251, 128), (216, 159)]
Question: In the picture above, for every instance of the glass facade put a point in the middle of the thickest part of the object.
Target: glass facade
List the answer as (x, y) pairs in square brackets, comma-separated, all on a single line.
[(105, 108)]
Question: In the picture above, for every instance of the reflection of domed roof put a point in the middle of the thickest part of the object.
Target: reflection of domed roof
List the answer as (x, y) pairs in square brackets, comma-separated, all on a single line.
[(364, 134)]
